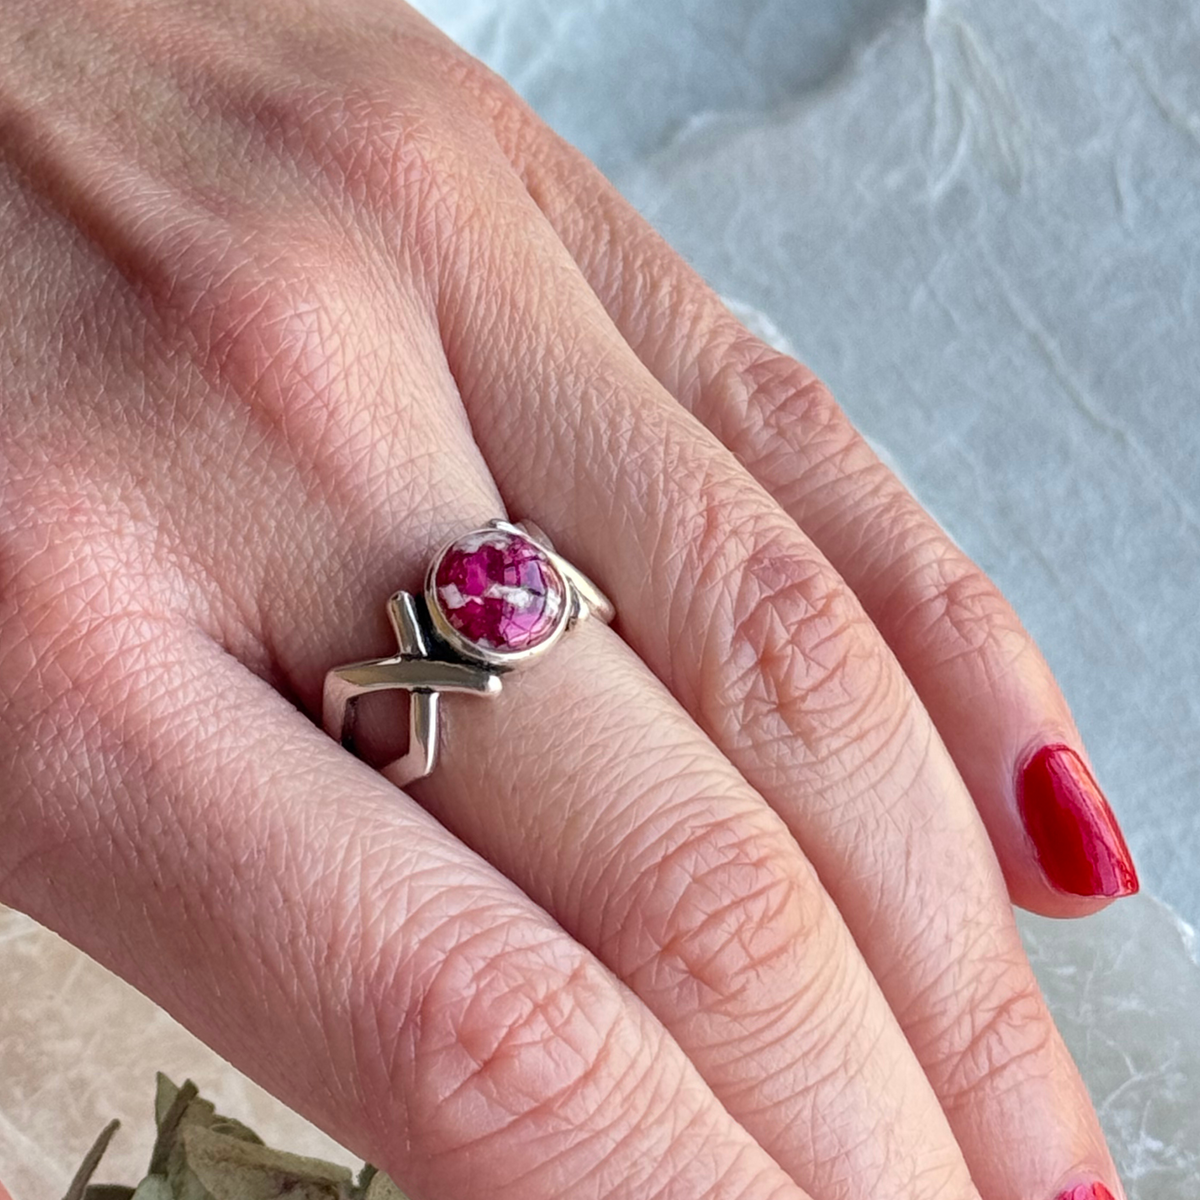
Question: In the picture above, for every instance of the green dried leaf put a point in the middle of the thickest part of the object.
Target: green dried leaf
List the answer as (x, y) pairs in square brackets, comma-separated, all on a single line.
[(207, 1165), (170, 1117), (91, 1161), (164, 1096), (178, 1107), (153, 1187), (235, 1129), (201, 1155), (373, 1184), (365, 1176), (381, 1187)]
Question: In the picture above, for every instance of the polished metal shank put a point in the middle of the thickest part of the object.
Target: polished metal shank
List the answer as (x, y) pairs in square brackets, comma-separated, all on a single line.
[(430, 664)]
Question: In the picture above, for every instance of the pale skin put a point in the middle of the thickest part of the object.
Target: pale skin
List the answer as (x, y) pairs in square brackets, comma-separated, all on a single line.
[(714, 904)]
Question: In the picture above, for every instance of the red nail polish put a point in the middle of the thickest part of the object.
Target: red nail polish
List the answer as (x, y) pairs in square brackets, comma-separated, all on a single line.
[(1086, 1191), (1076, 837)]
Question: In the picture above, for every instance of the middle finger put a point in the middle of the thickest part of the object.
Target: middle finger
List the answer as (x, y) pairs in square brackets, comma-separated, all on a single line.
[(591, 788)]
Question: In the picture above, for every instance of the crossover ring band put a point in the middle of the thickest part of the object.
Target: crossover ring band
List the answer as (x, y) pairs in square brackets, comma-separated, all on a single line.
[(494, 599)]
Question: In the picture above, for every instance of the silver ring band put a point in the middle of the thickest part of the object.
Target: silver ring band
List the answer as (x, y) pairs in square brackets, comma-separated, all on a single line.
[(495, 599)]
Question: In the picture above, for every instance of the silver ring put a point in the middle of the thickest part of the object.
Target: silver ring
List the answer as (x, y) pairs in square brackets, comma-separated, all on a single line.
[(495, 599)]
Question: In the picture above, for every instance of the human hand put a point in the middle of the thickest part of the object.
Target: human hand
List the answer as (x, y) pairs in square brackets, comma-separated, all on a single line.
[(289, 297)]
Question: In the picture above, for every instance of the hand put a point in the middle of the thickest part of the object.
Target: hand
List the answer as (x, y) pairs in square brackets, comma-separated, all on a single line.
[(288, 296)]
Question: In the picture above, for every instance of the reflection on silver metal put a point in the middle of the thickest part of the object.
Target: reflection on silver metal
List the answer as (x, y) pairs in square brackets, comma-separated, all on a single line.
[(435, 657)]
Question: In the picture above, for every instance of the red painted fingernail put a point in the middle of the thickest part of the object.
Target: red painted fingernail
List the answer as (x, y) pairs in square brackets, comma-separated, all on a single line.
[(1086, 1191), (1076, 837)]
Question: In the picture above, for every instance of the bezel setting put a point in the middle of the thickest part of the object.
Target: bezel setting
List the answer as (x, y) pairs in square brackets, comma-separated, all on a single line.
[(436, 658), (560, 591)]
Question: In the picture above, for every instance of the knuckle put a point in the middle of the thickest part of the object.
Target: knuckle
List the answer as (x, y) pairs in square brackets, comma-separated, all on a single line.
[(271, 331), (944, 604), (377, 149), (785, 395), (952, 610), (266, 322), (800, 659), (66, 617), (81, 651), (491, 1014), (779, 400), (724, 907), (456, 73), (378, 155), (270, 321)]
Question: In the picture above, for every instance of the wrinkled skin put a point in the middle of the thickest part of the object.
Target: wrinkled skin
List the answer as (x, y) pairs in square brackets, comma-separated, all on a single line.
[(712, 904)]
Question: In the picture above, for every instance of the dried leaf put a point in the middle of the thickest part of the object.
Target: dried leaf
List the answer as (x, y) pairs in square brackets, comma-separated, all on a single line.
[(365, 1176), (207, 1165), (164, 1096), (153, 1187), (178, 1107), (91, 1161), (373, 1184), (170, 1117), (381, 1187), (235, 1129), (201, 1155)]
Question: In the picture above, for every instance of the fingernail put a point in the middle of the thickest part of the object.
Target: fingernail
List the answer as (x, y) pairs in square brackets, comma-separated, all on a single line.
[(1076, 837), (1086, 1191)]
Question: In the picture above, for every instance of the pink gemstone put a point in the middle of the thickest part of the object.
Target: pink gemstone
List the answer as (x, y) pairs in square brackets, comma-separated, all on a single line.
[(499, 591)]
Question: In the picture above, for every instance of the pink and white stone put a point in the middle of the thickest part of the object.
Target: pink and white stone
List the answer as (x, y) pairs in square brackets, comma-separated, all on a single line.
[(499, 591)]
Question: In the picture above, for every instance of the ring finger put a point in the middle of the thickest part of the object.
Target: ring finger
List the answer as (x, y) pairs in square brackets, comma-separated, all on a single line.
[(588, 785)]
